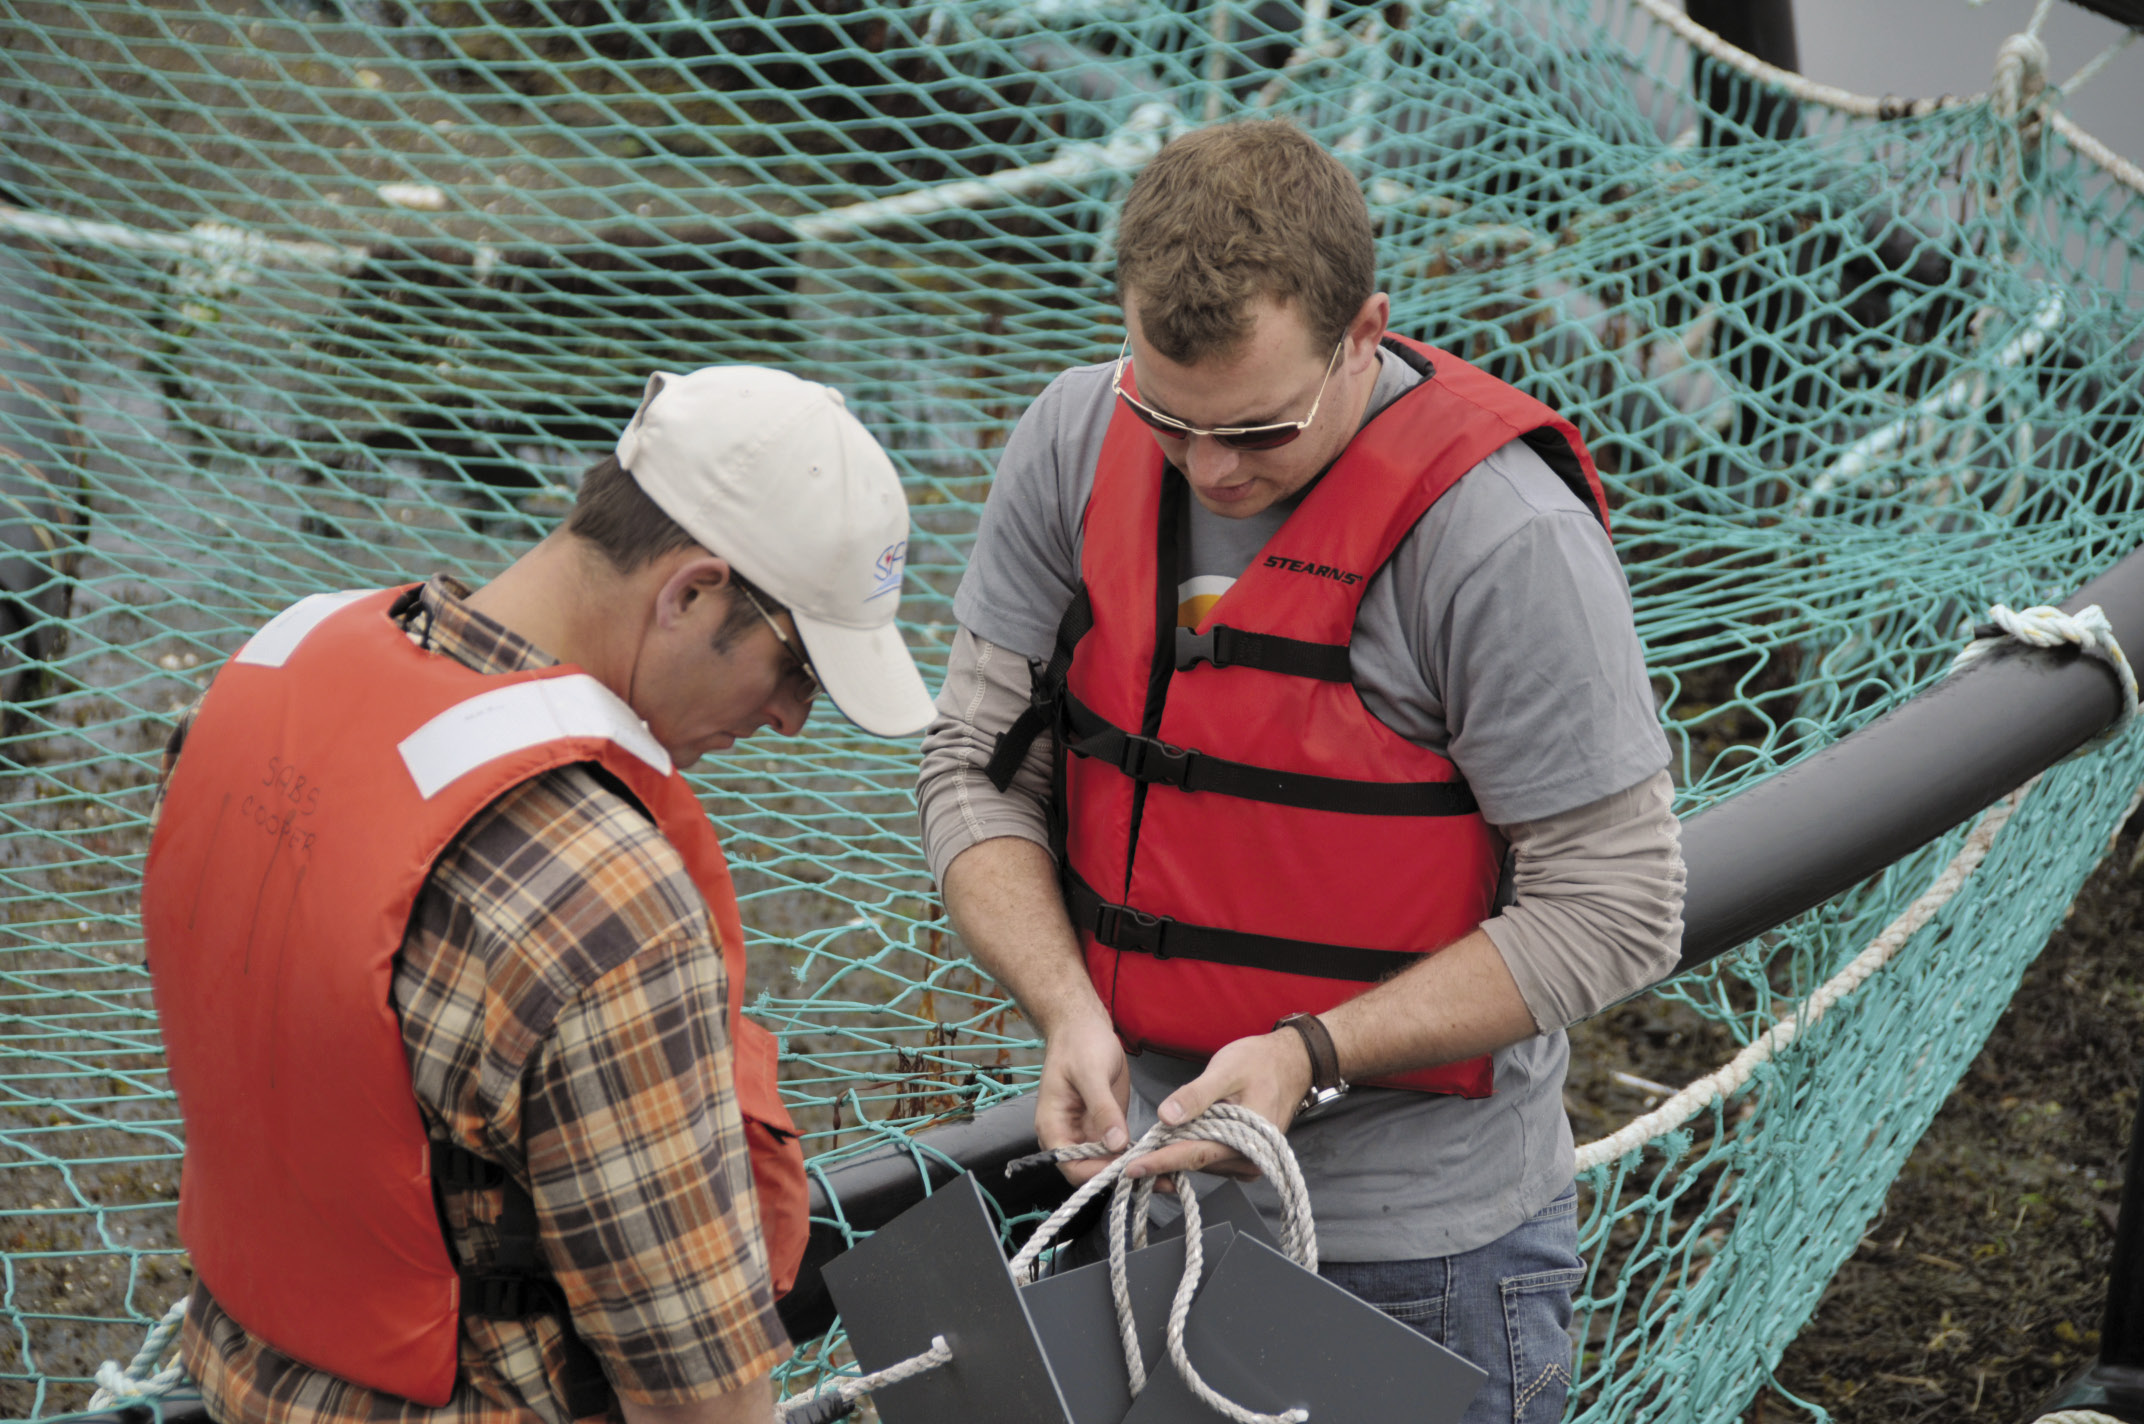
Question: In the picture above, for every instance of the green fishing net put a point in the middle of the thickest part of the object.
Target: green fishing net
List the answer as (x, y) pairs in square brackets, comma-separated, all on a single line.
[(300, 295)]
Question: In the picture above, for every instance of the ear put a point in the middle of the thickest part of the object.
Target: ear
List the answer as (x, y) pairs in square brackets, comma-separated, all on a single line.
[(688, 590), (1363, 332)]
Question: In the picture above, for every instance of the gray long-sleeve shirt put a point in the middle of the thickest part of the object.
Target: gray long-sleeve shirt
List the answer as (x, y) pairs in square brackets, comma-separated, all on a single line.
[(1499, 634)]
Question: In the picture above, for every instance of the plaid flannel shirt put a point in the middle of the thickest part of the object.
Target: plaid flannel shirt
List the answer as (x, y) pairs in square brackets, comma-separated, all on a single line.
[(561, 998)]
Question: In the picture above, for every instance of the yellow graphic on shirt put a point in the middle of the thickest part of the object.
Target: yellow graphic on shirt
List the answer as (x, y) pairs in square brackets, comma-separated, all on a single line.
[(1196, 597)]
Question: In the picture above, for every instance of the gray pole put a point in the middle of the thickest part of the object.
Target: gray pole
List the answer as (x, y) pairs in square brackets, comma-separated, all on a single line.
[(1794, 840)]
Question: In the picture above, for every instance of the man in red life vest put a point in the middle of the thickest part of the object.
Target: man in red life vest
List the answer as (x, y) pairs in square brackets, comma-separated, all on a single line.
[(1296, 737), (448, 961)]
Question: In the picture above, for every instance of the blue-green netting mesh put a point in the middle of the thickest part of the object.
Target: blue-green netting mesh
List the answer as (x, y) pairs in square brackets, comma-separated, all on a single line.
[(310, 294)]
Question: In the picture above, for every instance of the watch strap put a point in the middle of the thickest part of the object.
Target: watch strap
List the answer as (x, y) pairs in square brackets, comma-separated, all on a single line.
[(1324, 1057)]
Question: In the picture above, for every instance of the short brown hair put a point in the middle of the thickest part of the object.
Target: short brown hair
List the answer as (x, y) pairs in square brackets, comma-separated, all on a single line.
[(613, 513), (1230, 213)]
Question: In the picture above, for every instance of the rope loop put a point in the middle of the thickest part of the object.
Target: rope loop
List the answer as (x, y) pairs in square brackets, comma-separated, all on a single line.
[(2045, 627), (2020, 78), (1237, 1128), (140, 1379), (2014, 99)]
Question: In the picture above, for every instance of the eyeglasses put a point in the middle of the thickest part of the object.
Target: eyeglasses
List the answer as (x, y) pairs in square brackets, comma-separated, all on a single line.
[(1235, 437), (802, 668)]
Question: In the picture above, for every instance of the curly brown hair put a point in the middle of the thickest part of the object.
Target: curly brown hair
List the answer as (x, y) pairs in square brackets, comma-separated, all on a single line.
[(1230, 213)]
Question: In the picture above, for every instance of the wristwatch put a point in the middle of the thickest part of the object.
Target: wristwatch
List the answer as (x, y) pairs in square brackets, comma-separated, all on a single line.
[(1326, 1085)]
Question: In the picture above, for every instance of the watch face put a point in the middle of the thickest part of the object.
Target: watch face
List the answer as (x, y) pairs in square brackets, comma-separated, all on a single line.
[(1318, 1100)]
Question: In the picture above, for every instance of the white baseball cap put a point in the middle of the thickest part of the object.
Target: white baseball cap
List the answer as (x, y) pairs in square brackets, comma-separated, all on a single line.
[(775, 475)]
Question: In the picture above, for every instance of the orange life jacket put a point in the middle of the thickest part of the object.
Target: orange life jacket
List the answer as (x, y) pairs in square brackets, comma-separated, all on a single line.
[(326, 771), (1242, 838)]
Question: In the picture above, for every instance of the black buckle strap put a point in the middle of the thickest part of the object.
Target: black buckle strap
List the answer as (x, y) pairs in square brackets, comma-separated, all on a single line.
[(508, 1295), (1224, 646), (1011, 746), (515, 1284), (458, 1169), (1151, 760), (1122, 927), (1135, 931)]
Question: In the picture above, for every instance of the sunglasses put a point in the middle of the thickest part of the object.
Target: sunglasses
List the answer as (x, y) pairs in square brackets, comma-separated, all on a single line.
[(802, 668), (1235, 437)]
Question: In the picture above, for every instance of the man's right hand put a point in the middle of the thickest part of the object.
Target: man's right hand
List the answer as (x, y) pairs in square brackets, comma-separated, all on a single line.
[(1086, 1087)]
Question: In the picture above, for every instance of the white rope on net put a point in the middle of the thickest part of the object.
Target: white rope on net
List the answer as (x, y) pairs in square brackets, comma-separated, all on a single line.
[(140, 1379), (1237, 1128), (1730, 1079), (1867, 106), (2040, 627), (838, 1400), (2045, 627)]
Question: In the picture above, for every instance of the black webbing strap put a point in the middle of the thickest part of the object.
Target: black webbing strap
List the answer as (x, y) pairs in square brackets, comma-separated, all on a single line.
[(515, 1284), (1153, 761), (1235, 647), (1010, 749), (1122, 927)]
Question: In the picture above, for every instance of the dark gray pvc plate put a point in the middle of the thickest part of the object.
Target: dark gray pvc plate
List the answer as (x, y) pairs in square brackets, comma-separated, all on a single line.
[(937, 1269), (1227, 1202), (1077, 1322), (1271, 1335)]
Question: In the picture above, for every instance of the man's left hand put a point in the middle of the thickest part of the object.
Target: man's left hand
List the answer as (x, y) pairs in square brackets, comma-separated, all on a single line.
[(1268, 1074)]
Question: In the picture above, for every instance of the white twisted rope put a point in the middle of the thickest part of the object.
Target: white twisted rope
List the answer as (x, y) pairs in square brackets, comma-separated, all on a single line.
[(2078, 1416), (1238, 1128), (2045, 627), (1867, 106), (140, 1378), (2041, 627), (837, 1400), (1729, 1080)]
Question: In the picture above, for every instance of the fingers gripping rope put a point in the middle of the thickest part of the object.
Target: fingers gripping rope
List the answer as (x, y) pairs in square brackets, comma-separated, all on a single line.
[(1234, 1127), (2045, 627)]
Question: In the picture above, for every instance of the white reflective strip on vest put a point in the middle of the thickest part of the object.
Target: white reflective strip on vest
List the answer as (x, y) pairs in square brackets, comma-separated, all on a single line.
[(279, 636), (517, 717)]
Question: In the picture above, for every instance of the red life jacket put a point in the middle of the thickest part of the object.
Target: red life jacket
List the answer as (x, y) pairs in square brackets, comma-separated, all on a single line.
[(327, 770), (1243, 838)]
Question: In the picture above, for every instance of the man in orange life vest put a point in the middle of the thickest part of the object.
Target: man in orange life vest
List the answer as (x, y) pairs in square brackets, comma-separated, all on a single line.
[(449, 964), (1287, 642)]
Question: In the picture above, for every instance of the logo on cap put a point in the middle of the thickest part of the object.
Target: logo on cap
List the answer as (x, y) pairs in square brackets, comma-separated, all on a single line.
[(887, 569)]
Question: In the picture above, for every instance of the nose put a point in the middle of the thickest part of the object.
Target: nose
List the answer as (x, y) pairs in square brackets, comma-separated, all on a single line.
[(787, 712), (1207, 462)]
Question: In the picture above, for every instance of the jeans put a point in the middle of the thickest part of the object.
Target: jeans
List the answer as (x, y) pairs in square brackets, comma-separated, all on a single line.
[(1505, 1306)]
